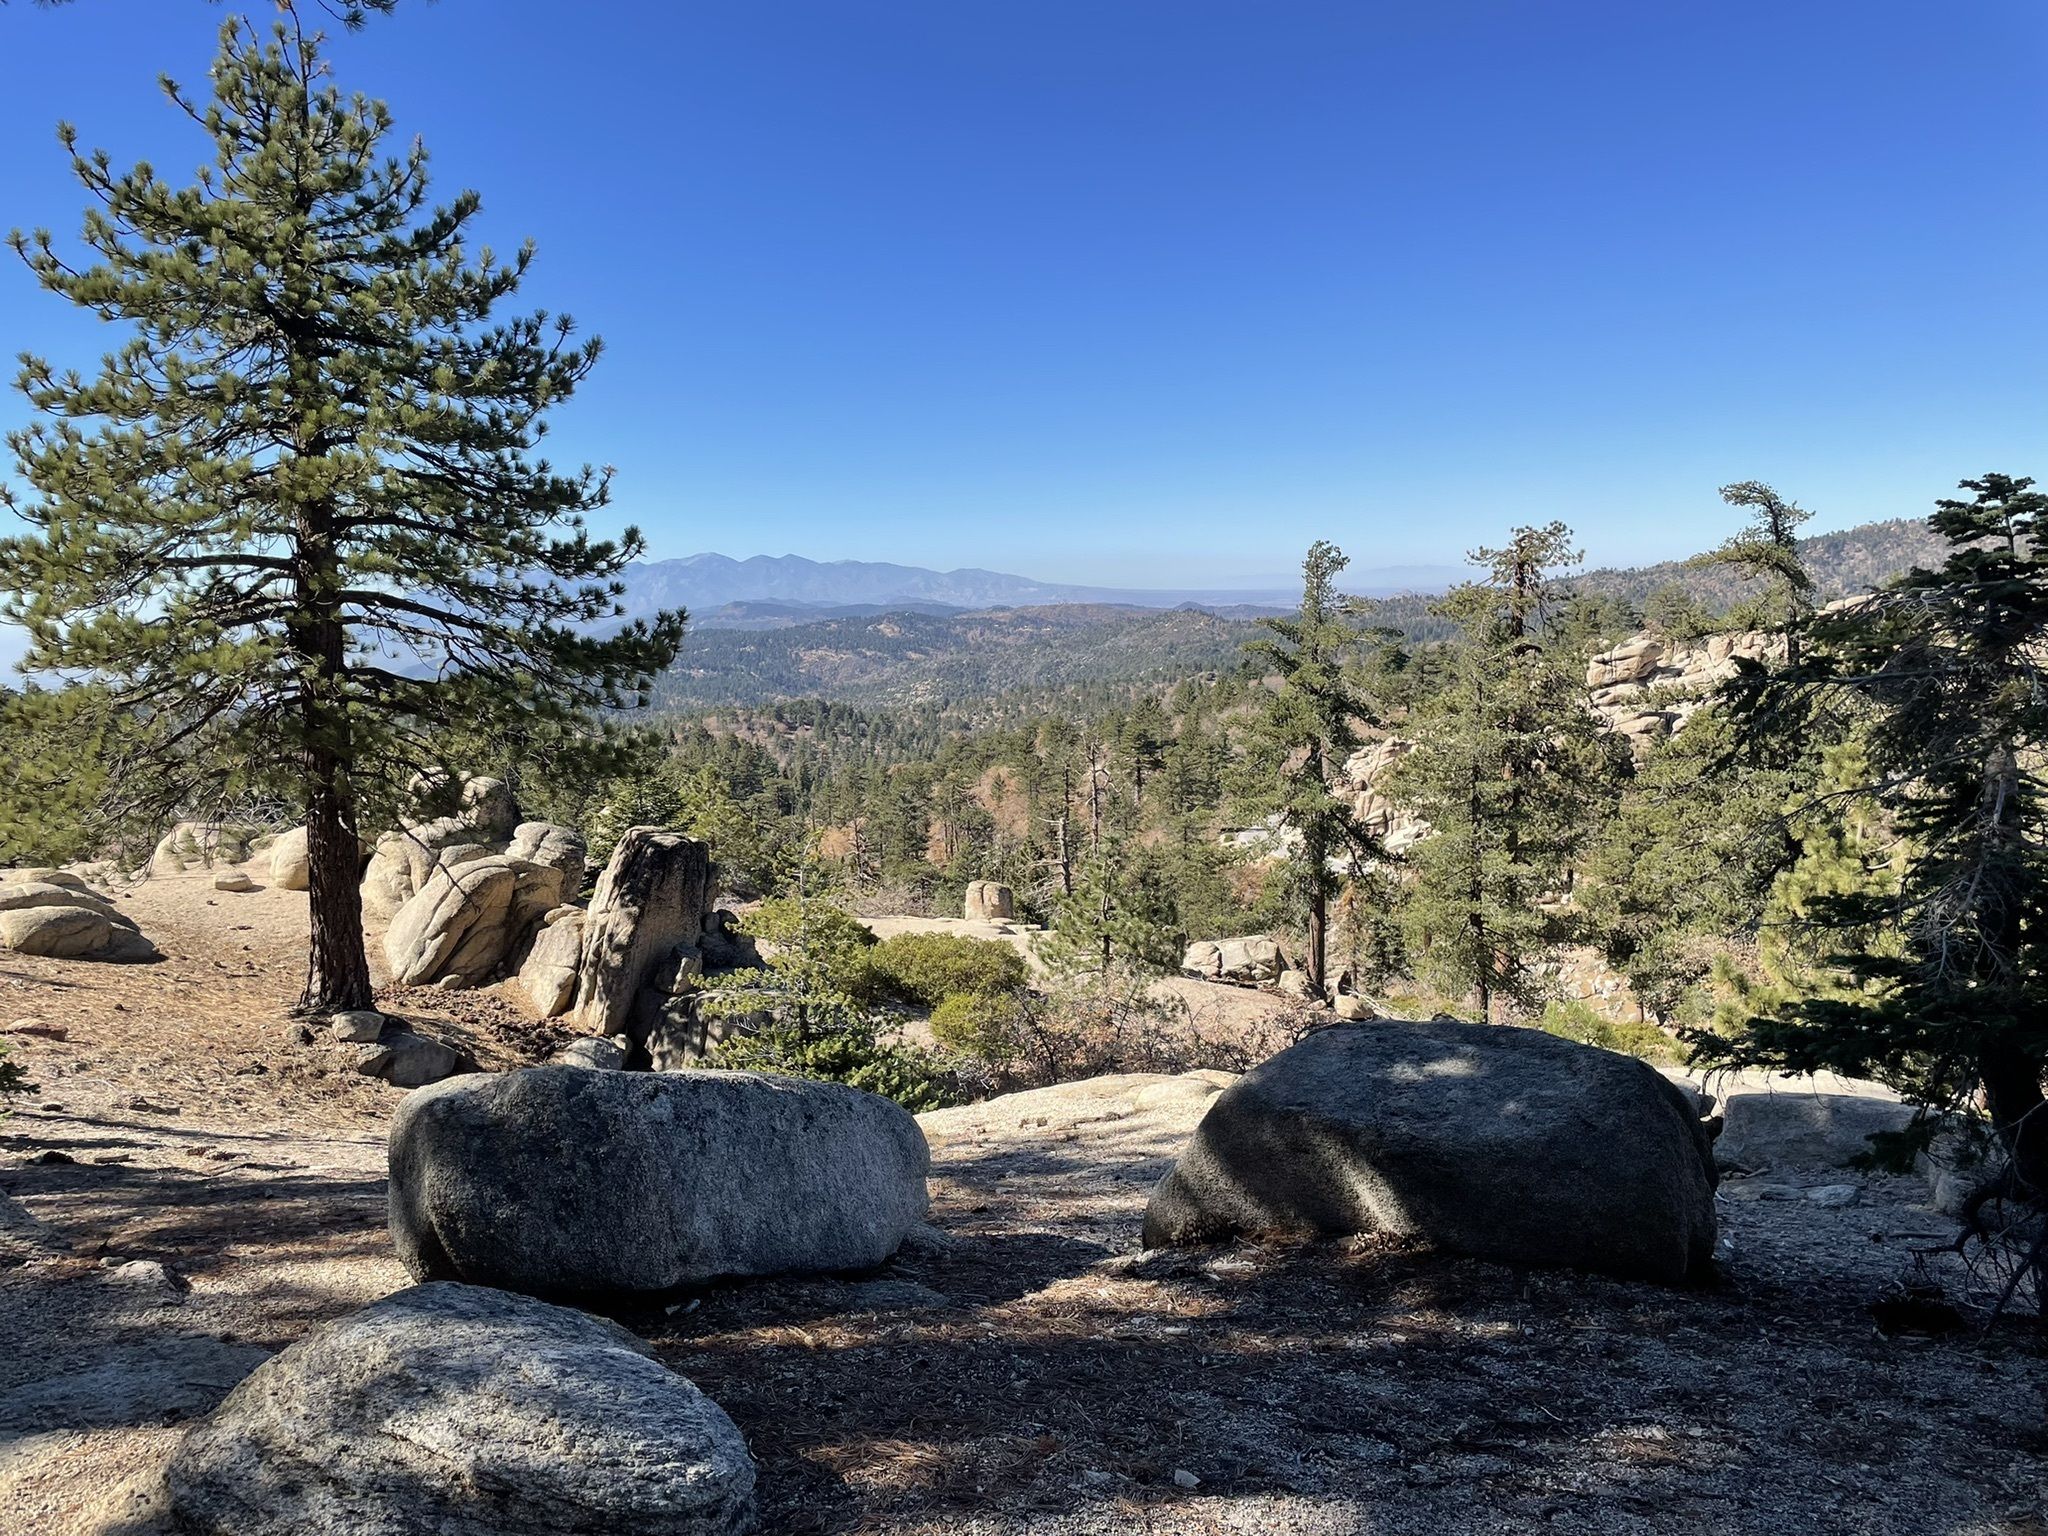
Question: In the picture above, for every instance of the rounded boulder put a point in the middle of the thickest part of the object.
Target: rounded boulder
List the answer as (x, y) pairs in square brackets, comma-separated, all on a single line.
[(568, 1183), (450, 1410), (1501, 1143)]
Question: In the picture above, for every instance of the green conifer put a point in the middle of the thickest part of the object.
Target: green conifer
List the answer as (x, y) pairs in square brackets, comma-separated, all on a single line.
[(292, 528)]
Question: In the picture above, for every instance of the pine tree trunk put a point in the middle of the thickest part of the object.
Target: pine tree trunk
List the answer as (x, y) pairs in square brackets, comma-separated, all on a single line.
[(2012, 1092), (337, 965), (1318, 939)]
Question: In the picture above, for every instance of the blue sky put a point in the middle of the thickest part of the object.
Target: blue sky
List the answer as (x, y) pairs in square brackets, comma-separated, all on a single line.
[(1157, 291)]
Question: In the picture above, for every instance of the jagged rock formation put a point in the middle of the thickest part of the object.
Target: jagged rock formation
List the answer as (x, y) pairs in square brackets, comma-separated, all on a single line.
[(1647, 687), (452, 1410), (651, 899), (1472, 1137), (1366, 771), (677, 1178)]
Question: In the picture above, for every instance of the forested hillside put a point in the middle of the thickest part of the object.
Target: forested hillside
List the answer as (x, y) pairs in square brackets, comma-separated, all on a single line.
[(756, 653)]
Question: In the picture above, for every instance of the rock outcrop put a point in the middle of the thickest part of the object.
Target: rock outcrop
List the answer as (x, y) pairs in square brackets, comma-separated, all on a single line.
[(480, 813), (451, 1410), (558, 847), (990, 901), (1365, 771), (547, 976), (1502, 1143), (1647, 687), (651, 898), (468, 918), (678, 1178), (201, 845), (1245, 961), (55, 914)]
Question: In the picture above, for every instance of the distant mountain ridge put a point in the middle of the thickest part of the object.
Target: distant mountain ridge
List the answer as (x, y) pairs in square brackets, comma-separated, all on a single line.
[(720, 591)]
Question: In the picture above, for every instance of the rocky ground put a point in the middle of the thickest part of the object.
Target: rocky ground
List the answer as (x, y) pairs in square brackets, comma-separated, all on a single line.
[(187, 1191)]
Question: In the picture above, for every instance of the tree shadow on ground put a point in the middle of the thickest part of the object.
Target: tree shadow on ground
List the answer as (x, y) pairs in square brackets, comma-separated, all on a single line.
[(1423, 1393)]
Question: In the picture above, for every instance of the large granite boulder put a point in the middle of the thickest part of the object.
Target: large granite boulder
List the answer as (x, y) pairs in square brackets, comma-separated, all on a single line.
[(558, 847), (990, 901), (652, 897), (57, 915), (547, 976), (573, 1184), (451, 1410), (468, 917), (1245, 961), (1823, 1121), (1503, 1143), (404, 859)]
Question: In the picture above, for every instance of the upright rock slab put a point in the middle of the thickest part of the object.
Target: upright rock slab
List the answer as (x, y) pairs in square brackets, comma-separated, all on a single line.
[(1502, 1143), (651, 897), (574, 1184), (450, 1410)]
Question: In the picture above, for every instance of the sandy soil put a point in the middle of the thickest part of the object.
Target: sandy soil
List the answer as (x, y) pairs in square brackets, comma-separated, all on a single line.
[(1027, 1369)]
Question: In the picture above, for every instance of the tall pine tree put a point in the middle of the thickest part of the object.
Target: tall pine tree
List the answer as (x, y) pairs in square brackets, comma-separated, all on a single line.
[(293, 527), (1509, 770), (1946, 674), (1309, 726)]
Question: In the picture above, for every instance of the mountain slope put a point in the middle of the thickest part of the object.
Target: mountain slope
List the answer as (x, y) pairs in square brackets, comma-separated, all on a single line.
[(902, 658), (719, 590)]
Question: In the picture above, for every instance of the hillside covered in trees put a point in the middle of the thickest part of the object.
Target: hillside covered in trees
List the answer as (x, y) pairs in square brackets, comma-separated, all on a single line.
[(761, 653)]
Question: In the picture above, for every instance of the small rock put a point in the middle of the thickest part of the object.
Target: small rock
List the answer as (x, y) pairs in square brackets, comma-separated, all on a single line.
[(1834, 1196), (1183, 1478), (52, 1158), (234, 881), (296, 1033), (358, 1025), (407, 1060), (597, 1055), (148, 1275)]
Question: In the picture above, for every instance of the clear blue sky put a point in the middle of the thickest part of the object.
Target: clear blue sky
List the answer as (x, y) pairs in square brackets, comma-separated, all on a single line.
[(1157, 291)]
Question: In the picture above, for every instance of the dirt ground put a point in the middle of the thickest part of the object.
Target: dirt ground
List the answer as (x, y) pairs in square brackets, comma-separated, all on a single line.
[(1022, 1367)]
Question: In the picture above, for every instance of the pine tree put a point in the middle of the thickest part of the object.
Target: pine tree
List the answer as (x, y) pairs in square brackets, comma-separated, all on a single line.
[(1304, 734), (1120, 913), (1510, 770), (1768, 550), (1944, 673), (311, 458)]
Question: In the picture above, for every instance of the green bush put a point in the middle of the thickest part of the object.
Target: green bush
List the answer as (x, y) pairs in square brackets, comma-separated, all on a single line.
[(985, 1025), (12, 1079), (1576, 1021), (924, 969), (854, 1055)]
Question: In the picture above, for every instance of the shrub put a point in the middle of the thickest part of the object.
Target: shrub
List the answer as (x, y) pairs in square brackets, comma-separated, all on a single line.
[(1099, 1024), (988, 1026), (12, 1079), (1576, 1021), (924, 969), (853, 1054)]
